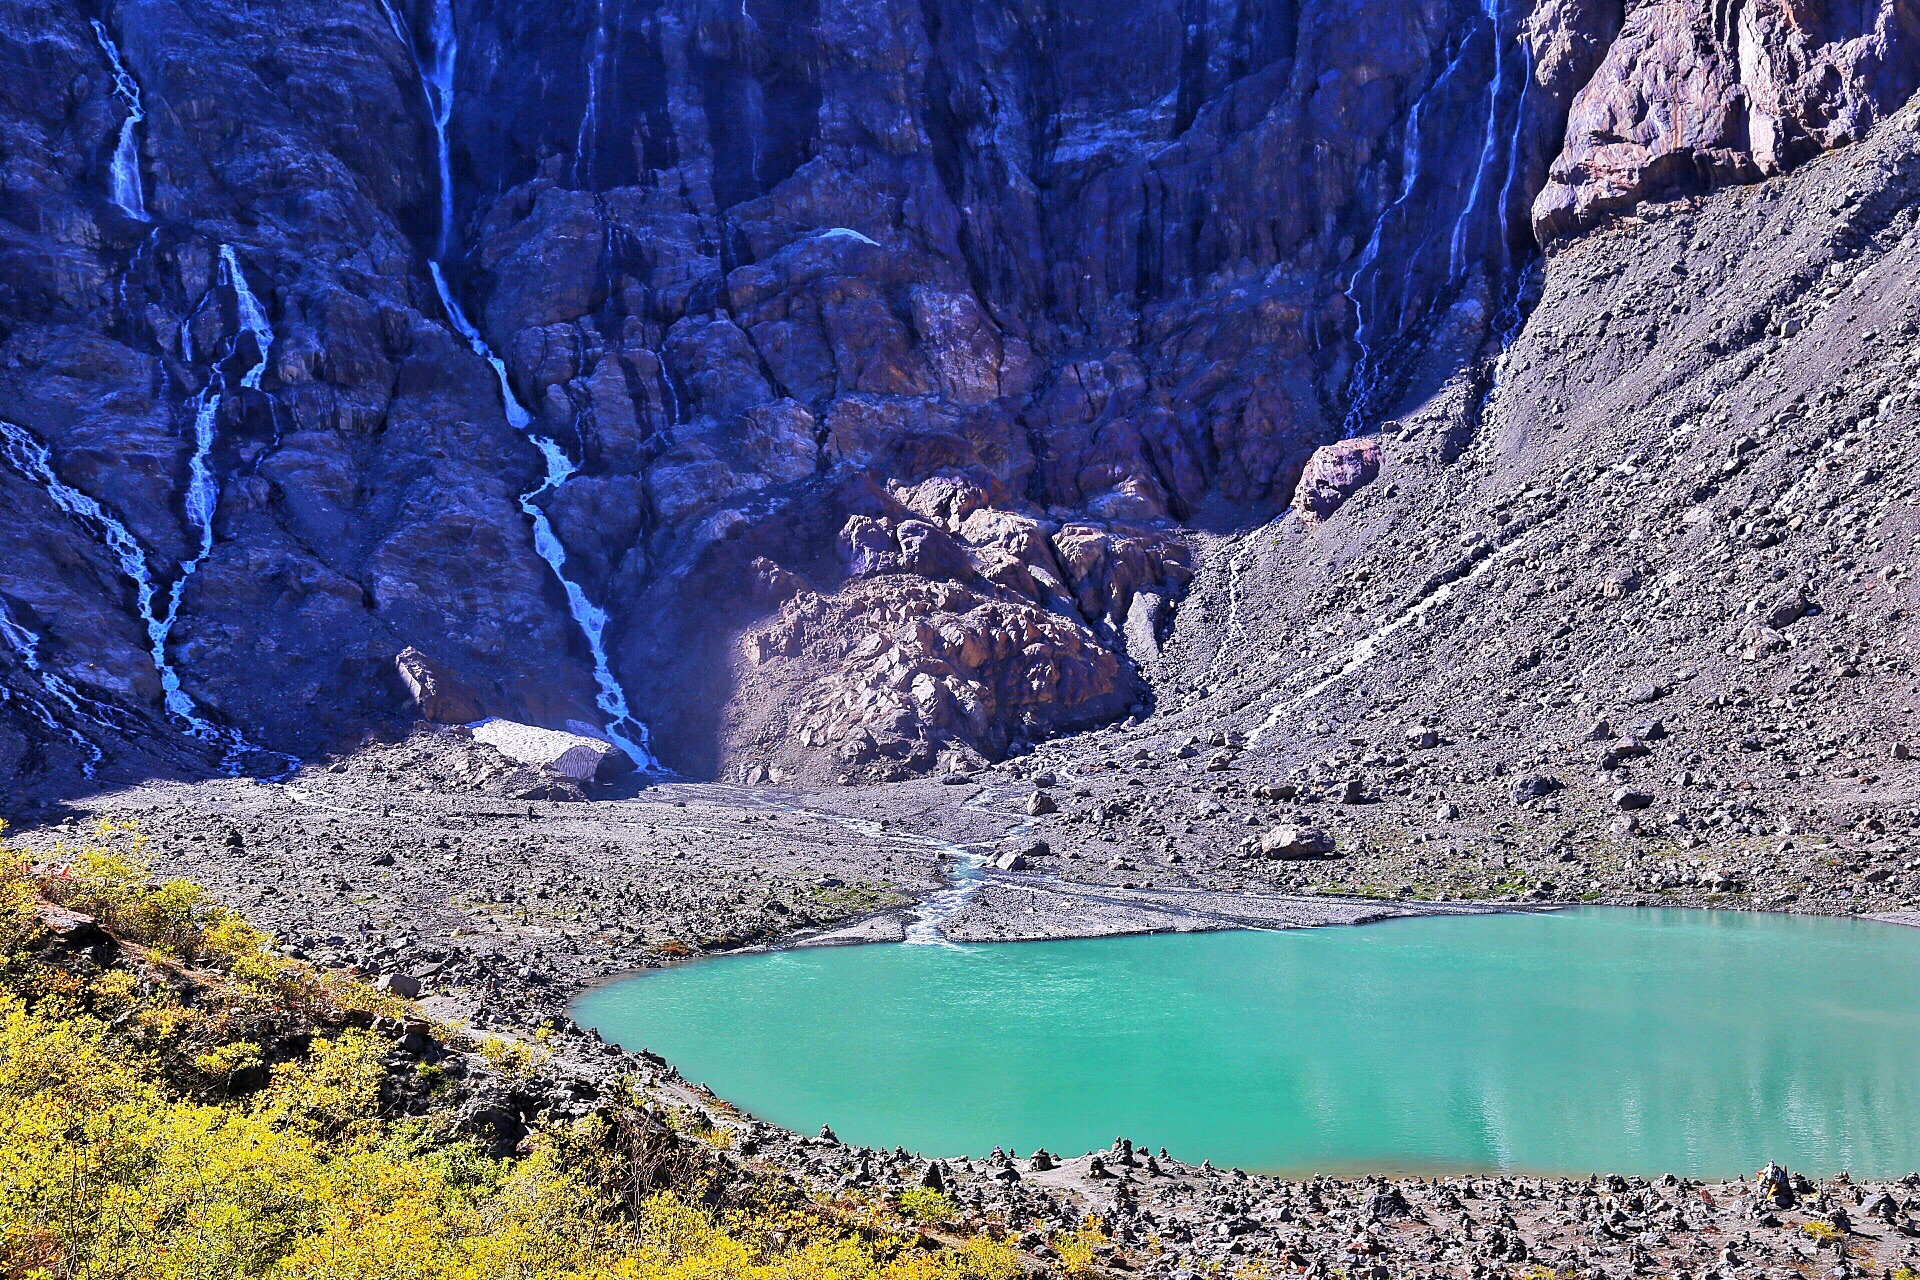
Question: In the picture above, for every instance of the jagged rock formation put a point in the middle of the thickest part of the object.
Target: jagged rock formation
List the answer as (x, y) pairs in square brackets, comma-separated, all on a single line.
[(825, 385)]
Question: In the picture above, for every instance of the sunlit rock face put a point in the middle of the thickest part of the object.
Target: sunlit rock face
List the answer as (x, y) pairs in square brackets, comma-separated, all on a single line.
[(887, 349)]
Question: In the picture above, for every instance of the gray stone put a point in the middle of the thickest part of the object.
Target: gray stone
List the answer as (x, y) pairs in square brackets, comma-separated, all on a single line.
[(404, 985), (1294, 843), (1781, 608), (1534, 786)]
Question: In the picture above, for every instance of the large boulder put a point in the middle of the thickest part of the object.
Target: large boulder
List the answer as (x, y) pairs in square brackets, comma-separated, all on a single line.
[(1335, 473), (1295, 843), (1685, 101), (439, 695)]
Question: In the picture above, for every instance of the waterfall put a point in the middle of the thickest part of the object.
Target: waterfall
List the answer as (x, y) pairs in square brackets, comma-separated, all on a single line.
[(400, 32), (1509, 319), (626, 733), (159, 609), (1366, 386), (588, 141), (28, 455), (32, 459), (436, 79), (1489, 146), (437, 70), (252, 316), (125, 189), (203, 488), (26, 647), (1366, 370)]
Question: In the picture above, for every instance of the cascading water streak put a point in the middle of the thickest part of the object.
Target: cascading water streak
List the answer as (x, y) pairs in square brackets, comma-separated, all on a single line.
[(517, 414), (625, 732), (1366, 372), (1368, 385), (203, 487), (35, 460), (31, 457), (253, 318), (587, 143), (394, 21), (1489, 148), (437, 71), (1511, 316), (436, 77), (25, 644), (125, 191)]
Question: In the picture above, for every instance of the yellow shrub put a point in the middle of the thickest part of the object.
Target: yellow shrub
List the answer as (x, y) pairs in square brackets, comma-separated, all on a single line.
[(1077, 1249), (229, 1060), (18, 927), (106, 1170), (514, 1059), (231, 943), (924, 1204), (336, 1092)]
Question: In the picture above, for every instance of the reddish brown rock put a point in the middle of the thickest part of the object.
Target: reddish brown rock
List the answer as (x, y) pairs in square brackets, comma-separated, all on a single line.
[(1690, 97), (895, 675), (1335, 473)]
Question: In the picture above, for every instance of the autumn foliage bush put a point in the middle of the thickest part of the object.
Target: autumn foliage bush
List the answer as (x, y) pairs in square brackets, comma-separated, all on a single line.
[(126, 1151)]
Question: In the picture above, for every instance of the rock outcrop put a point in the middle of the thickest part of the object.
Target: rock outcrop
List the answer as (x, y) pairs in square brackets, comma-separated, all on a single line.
[(592, 348), (1690, 97)]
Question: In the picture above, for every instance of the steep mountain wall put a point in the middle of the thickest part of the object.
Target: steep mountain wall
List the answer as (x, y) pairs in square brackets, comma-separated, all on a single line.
[(855, 366)]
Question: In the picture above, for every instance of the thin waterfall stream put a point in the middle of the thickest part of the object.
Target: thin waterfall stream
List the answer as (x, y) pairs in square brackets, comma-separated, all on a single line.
[(159, 609), (1378, 336), (437, 70), (1489, 150), (25, 643), (31, 457), (1366, 371), (586, 145), (124, 188)]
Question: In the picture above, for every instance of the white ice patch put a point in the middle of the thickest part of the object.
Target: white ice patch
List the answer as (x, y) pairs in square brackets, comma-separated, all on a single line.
[(571, 755), (847, 233)]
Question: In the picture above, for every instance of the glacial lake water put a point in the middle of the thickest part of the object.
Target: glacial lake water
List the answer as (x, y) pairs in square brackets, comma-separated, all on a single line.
[(1590, 1040)]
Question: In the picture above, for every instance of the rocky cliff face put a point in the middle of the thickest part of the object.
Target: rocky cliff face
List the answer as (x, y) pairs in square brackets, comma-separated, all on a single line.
[(824, 385)]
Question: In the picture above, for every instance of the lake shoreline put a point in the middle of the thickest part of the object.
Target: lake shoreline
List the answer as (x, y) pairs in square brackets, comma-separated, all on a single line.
[(1048, 1044), (1175, 1218), (495, 908)]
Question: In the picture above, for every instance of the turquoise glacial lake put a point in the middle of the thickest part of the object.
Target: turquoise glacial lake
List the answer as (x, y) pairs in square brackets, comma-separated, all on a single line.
[(1702, 1043)]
